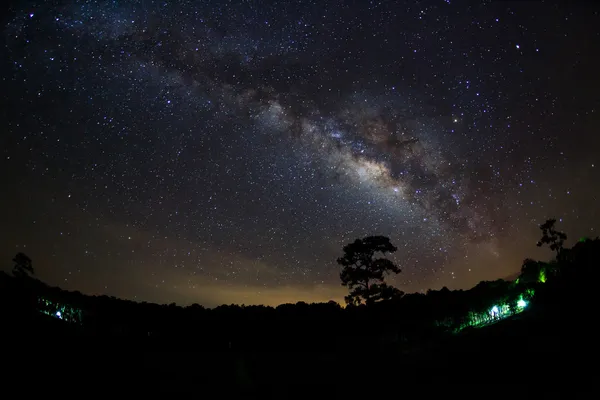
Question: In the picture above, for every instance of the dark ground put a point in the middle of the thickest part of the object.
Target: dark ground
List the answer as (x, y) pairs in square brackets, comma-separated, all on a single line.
[(521, 357)]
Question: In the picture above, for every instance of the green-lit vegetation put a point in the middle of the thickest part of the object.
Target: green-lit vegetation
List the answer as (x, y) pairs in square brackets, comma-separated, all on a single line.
[(390, 328), (61, 311), (504, 308), (408, 320)]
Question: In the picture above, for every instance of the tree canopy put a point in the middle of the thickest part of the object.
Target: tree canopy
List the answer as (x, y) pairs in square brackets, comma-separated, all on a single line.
[(553, 238), (23, 265), (364, 273)]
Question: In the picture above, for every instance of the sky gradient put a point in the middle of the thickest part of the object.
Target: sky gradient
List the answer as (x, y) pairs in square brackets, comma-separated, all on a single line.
[(216, 152)]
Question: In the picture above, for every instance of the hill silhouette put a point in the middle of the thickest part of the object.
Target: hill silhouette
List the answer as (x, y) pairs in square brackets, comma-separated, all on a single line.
[(498, 335)]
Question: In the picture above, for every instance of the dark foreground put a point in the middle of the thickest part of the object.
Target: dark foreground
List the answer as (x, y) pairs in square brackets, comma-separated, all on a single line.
[(523, 357)]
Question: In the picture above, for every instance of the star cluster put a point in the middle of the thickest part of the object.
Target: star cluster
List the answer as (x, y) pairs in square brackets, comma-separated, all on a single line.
[(220, 152)]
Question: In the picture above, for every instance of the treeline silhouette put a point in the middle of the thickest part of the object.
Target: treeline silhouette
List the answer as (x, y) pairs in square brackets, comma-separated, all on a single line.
[(380, 325), (406, 319)]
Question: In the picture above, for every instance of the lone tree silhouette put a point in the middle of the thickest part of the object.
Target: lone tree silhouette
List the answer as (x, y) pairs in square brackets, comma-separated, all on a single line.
[(23, 266), (532, 271), (364, 274), (550, 236)]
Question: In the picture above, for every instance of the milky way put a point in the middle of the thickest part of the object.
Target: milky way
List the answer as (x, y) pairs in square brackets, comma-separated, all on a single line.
[(214, 152)]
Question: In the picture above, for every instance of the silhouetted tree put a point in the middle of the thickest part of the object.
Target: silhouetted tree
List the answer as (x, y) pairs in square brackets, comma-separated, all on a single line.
[(550, 236), (23, 266), (364, 274), (532, 271)]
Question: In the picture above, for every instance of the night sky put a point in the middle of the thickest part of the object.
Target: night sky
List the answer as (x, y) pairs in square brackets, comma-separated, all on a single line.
[(224, 152)]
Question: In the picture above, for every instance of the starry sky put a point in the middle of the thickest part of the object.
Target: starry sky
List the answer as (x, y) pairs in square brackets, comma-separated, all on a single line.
[(225, 151)]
